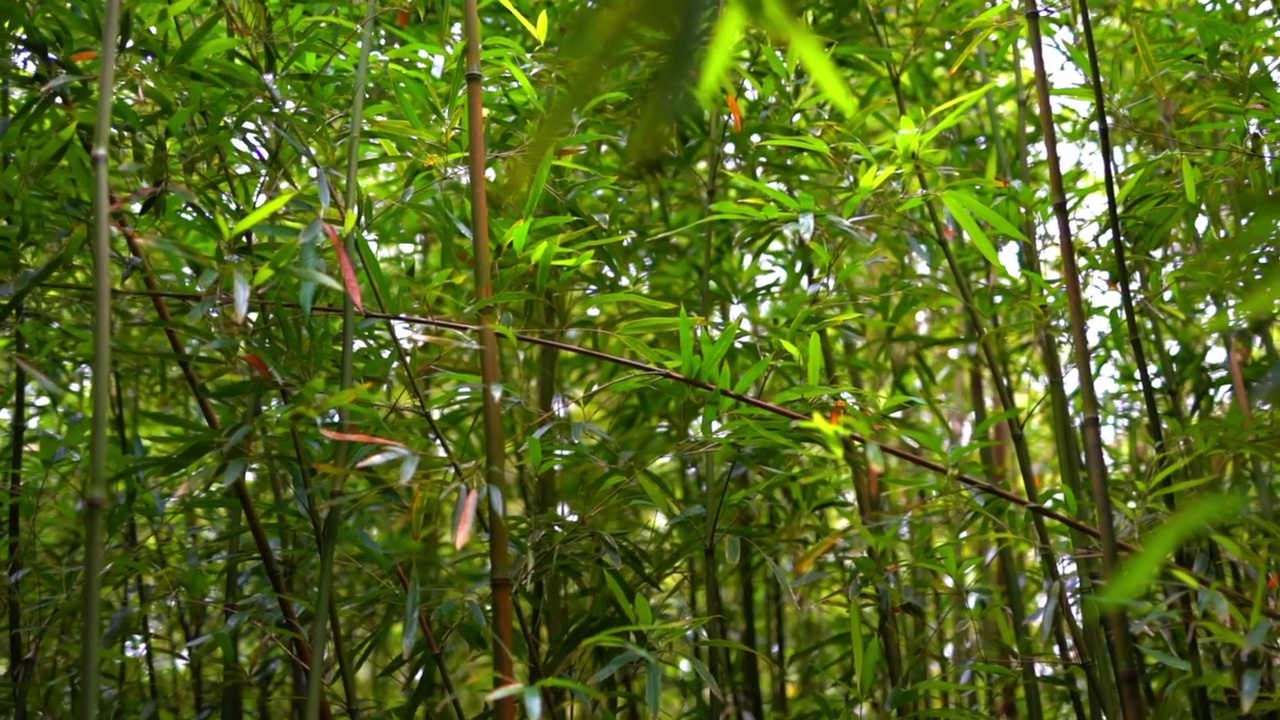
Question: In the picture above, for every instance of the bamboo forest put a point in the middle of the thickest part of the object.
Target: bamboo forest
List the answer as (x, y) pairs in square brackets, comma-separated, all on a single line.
[(639, 359)]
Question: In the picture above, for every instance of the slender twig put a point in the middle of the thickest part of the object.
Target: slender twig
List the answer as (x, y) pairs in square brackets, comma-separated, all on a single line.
[(437, 652), (96, 494)]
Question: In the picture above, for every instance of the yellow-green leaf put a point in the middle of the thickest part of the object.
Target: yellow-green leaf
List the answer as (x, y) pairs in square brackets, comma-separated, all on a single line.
[(540, 29), (539, 35), (720, 51), (262, 213)]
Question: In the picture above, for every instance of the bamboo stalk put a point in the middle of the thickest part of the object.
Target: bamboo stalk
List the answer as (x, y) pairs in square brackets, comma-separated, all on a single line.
[(490, 373), (1126, 667), (96, 493)]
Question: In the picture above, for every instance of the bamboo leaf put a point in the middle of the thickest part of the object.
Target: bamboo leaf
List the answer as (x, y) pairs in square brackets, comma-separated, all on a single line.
[(814, 363), (971, 228), (1139, 571), (653, 689), (349, 281), (267, 209), (539, 32), (465, 519), (410, 636)]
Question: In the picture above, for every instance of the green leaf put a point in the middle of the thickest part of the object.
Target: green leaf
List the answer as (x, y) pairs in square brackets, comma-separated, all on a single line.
[(644, 613), (262, 213), (814, 366), (653, 689), (1189, 179), (539, 183), (719, 57), (962, 105), (611, 667), (991, 217), (975, 233), (1140, 570)]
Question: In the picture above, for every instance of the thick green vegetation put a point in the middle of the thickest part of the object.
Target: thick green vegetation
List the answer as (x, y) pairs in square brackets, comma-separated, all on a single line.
[(639, 358)]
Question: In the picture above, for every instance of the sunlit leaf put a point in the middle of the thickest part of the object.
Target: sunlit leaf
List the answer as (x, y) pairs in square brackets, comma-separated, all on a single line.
[(263, 212)]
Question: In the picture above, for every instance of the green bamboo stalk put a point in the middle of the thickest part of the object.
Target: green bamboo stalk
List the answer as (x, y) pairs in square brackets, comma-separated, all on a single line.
[(233, 681), (490, 372), (1094, 652), (777, 627), (748, 657), (333, 518), (869, 510), (1126, 667), (96, 492), (18, 672)]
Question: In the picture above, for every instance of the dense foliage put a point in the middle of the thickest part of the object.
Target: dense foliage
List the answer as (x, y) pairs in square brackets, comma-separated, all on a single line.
[(842, 359)]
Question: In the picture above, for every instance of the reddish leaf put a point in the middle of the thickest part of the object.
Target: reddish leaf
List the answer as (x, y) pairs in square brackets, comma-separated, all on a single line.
[(258, 364), (349, 280), (85, 55), (402, 18), (462, 532), (359, 437), (736, 113), (837, 412)]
